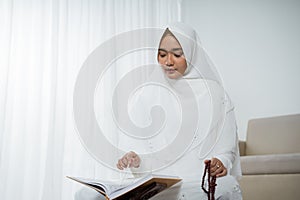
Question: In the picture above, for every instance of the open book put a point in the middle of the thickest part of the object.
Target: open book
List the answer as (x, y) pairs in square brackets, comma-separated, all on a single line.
[(143, 188)]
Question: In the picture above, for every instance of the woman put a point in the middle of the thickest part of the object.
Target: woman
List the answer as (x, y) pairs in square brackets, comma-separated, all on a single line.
[(183, 60), (202, 122)]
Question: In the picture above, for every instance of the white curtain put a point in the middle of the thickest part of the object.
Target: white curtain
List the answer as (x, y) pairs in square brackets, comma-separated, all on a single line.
[(43, 44)]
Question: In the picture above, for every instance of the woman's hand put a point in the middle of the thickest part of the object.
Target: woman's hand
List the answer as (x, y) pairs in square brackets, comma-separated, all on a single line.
[(216, 167), (130, 159)]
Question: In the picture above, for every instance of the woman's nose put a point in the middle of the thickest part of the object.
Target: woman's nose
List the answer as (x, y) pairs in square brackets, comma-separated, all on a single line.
[(169, 61)]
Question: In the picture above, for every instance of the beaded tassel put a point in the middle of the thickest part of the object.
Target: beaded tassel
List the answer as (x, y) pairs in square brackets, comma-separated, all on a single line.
[(211, 182)]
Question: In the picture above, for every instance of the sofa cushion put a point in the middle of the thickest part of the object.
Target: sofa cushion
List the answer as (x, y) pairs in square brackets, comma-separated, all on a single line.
[(270, 187), (273, 135), (271, 164)]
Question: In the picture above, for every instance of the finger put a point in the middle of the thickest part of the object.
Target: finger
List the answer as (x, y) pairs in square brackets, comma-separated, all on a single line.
[(137, 162), (128, 155), (131, 162), (218, 168), (214, 171), (119, 165), (124, 162), (131, 154), (217, 171), (134, 159), (214, 161), (223, 173), (214, 168), (134, 162)]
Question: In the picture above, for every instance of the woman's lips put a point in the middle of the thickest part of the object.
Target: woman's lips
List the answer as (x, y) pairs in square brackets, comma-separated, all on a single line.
[(170, 70)]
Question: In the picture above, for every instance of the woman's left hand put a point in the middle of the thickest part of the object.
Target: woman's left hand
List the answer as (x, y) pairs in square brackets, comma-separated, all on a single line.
[(217, 168), (130, 159)]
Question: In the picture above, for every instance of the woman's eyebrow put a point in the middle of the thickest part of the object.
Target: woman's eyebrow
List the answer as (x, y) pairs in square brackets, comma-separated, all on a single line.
[(162, 50), (174, 49)]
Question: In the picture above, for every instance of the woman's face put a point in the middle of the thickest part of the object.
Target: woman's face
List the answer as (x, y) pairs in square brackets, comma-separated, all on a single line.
[(171, 57)]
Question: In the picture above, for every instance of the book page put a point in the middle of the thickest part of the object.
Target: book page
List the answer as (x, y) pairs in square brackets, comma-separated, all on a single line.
[(142, 188), (104, 187), (148, 185)]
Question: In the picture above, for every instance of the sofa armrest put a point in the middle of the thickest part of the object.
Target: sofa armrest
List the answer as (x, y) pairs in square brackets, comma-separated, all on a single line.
[(242, 148), (271, 164)]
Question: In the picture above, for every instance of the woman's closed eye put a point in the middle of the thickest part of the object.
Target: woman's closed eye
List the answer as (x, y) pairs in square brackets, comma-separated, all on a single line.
[(177, 55), (162, 55)]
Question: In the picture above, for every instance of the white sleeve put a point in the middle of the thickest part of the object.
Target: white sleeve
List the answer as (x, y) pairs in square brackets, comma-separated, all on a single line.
[(226, 148)]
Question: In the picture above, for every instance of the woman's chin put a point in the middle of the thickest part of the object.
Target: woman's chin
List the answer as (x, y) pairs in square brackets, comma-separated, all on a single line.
[(173, 75)]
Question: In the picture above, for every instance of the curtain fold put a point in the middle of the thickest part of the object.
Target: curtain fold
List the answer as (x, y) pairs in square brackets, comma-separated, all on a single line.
[(42, 47)]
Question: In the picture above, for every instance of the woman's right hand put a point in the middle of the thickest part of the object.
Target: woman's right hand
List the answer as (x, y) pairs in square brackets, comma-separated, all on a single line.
[(130, 159), (217, 167)]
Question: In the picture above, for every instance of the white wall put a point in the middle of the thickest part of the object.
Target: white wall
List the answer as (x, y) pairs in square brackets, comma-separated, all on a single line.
[(256, 47)]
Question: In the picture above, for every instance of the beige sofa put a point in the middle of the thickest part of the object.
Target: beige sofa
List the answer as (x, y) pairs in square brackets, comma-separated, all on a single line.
[(270, 159)]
